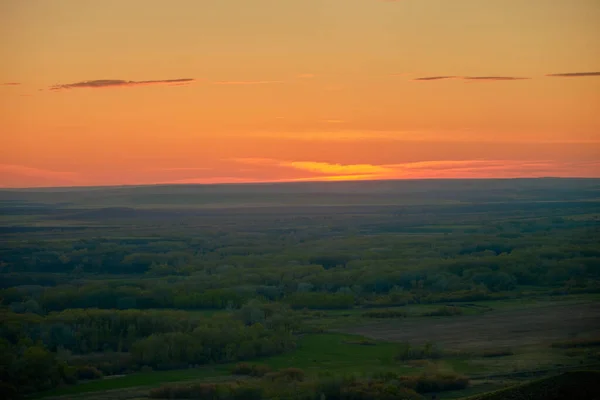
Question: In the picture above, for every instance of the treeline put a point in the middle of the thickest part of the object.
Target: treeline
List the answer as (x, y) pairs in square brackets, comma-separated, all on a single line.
[(333, 244), (215, 344), (292, 383), (70, 345), (431, 288)]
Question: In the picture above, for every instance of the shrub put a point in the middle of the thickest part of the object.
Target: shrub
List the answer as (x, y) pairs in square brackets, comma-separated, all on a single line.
[(446, 311), (246, 393), (385, 314), (201, 390), (427, 383), (497, 353), (250, 369), (286, 375), (372, 389), (407, 352), (88, 372), (8, 391), (567, 344), (385, 376)]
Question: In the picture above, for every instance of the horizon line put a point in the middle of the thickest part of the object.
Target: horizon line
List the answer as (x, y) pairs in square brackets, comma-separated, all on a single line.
[(287, 182)]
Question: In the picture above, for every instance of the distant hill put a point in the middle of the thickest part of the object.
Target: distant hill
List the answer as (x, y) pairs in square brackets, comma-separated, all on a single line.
[(364, 193)]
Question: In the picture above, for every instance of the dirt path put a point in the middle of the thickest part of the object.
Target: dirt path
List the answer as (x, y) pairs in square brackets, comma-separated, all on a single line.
[(495, 329)]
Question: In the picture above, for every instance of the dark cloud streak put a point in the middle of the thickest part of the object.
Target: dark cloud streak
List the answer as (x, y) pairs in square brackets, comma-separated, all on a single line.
[(11, 84), (435, 78), (471, 78), (111, 83), (574, 74), (494, 78)]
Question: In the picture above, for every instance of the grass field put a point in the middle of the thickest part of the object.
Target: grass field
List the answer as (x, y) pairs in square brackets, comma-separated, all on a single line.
[(335, 353), (343, 354), (526, 327), (140, 379)]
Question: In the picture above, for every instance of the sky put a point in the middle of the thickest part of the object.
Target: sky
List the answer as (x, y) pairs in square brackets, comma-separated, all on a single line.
[(138, 92)]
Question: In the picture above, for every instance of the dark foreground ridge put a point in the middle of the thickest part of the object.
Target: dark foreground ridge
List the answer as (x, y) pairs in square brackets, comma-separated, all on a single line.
[(576, 385)]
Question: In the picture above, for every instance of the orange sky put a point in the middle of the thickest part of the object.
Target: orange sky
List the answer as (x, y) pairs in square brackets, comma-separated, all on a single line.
[(119, 92)]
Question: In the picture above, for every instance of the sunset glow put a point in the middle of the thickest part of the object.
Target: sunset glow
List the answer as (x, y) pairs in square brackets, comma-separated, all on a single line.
[(225, 91)]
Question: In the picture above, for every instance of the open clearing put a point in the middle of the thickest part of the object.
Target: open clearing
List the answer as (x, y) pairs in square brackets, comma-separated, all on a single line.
[(511, 328)]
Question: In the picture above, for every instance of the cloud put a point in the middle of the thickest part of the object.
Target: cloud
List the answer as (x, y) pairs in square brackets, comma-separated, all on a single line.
[(341, 136), (574, 74), (182, 169), (337, 169), (11, 84), (334, 135), (112, 83), (245, 82), (434, 78), (495, 78), (472, 78), (477, 168)]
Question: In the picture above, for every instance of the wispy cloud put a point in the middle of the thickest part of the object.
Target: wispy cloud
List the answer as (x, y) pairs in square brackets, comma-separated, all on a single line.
[(10, 84), (434, 169), (495, 78), (456, 136), (245, 82), (435, 78), (114, 83), (574, 74), (336, 169), (182, 169), (471, 78)]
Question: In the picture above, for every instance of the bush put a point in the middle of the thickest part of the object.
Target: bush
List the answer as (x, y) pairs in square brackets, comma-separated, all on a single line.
[(497, 353), (375, 389), (428, 351), (88, 373), (567, 344), (201, 390), (447, 311), (208, 391), (250, 369), (246, 393), (8, 391), (427, 383), (385, 314), (286, 375)]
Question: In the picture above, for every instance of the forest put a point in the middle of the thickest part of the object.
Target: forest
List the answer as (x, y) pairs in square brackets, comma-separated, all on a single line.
[(224, 281)]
